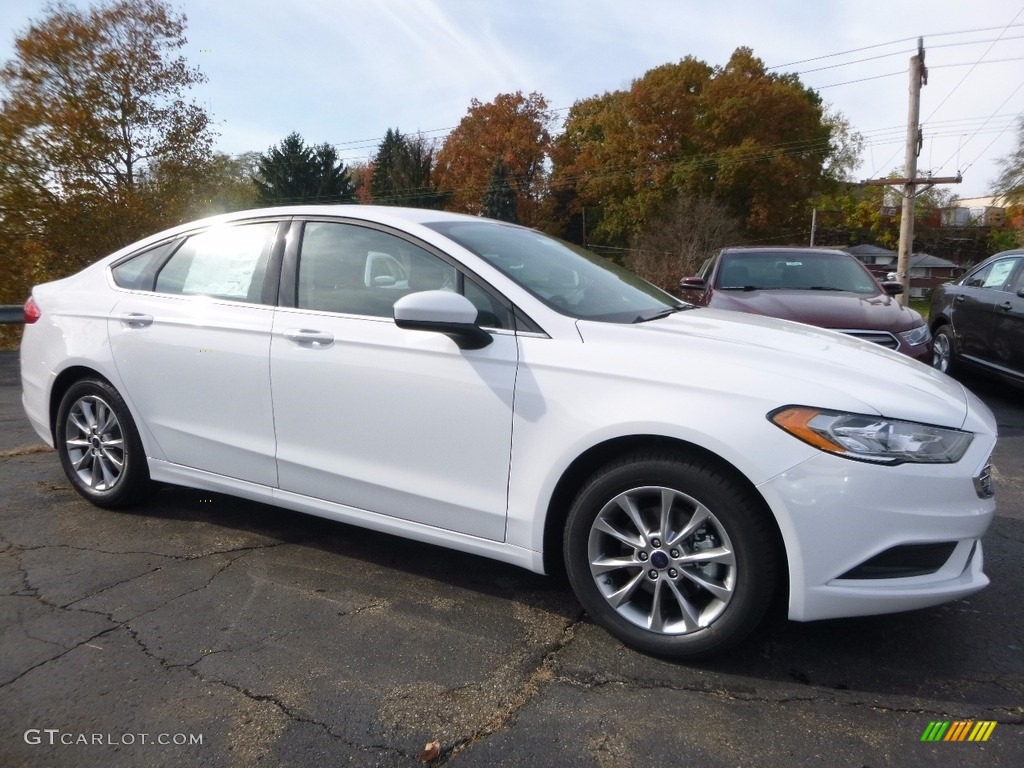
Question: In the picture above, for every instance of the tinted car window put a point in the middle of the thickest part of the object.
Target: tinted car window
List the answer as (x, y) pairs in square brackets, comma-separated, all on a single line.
[(994, 275), (1019, 286), (362, 271), (567, 278), (801, 271), (493, 314), (228, 262), (133, 272)]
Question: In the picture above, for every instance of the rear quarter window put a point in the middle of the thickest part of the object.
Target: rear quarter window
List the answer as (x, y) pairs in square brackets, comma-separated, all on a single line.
[(134, 273)]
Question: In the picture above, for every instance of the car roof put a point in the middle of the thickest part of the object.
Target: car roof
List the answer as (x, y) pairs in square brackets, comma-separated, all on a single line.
[(750, 249), (378, 214)]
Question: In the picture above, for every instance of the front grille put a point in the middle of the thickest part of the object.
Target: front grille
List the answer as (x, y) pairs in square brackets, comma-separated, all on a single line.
[(903, 561), (883, 338)]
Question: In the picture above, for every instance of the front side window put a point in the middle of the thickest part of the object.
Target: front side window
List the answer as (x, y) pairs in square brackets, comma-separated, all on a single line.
[(993, 276), (358, 270), (226, 262), (569, 279), (362, 271)]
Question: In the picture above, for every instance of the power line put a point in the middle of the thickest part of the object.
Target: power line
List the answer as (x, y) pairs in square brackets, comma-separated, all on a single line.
[(893, 42), (968, 73)]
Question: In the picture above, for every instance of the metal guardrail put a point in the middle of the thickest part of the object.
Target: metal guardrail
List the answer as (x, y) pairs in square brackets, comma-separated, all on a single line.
[(12, 313)]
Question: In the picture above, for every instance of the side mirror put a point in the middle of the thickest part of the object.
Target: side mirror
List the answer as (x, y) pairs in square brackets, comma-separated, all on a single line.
[(442, 312), (692, 284), (892, 287)]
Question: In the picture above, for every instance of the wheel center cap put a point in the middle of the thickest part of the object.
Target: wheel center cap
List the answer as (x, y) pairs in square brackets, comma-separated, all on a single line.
[(96, 444), (659, 559)]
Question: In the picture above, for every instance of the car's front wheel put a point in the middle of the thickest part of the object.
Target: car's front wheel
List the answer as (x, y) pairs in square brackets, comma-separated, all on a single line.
[(672, 555), (942, 350), (99, 446)]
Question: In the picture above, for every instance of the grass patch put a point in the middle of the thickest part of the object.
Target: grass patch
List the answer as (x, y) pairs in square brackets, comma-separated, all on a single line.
[(921, 305)]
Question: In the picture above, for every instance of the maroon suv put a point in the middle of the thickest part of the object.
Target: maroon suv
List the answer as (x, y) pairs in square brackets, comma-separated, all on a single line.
[(817, 286)]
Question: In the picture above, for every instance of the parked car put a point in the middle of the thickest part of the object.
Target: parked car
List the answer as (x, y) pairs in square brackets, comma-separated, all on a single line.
[(520, 399), (978, 321), (817, 286)]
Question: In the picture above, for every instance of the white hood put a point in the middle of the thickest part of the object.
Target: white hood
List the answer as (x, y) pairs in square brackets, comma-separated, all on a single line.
[(795, 363)]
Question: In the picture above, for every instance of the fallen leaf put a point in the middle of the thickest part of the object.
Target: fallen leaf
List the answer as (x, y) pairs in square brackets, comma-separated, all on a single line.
[(430, 752)]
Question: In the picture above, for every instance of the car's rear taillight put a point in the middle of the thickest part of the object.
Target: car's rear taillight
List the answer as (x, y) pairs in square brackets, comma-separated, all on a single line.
[(32, 311)]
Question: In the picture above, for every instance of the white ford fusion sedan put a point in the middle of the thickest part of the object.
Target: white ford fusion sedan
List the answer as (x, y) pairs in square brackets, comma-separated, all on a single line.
[(479, 385)]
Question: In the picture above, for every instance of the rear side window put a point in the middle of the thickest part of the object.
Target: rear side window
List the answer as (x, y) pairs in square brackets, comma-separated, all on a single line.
[(134, 272), (227, 262)]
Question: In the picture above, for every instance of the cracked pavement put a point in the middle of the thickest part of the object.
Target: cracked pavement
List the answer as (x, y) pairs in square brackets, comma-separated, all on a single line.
[(289, 640)]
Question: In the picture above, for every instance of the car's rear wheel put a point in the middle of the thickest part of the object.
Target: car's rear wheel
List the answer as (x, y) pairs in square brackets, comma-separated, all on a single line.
[(99, 446), (942, 350), (671, 555)]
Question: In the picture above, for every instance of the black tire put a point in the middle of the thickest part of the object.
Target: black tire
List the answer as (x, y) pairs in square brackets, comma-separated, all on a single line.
[(99, 446), (726, 591), (943, 350)]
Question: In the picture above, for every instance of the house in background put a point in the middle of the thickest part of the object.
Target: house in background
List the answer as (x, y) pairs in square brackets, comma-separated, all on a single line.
[(926, 271)]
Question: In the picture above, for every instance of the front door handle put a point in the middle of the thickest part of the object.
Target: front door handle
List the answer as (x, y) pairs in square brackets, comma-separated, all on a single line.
[(307, 336), (136, 320), (1005, 306), (960, 299)]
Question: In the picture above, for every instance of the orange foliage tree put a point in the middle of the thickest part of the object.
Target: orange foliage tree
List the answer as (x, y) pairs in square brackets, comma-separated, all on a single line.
[(514, 129), (758, 143)]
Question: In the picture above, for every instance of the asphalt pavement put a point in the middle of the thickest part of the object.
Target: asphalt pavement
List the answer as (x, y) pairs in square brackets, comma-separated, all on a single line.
[(204, 630)]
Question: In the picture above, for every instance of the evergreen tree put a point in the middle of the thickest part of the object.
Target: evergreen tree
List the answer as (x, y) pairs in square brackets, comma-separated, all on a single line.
[(294, 173), (500, 200), (401, 172)]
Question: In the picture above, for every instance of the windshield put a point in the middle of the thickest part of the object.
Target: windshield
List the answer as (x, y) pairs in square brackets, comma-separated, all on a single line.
[(781, 270), (567, 278)]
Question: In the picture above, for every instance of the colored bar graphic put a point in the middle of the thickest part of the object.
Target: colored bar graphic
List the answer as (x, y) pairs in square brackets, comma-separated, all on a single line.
[(958, 730), (935, 730), (982, 730)]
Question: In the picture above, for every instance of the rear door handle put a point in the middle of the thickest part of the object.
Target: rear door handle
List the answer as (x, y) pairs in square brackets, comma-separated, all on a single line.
[(307, 336), (960, 299), (1005, 306), (136, 320)]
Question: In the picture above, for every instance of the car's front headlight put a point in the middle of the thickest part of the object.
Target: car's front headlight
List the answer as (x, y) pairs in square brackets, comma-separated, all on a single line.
[(915, 336), (872, 438)]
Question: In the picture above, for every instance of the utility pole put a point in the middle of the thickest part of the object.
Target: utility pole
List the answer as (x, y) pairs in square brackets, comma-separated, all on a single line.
[(918, 78), (814, 224)]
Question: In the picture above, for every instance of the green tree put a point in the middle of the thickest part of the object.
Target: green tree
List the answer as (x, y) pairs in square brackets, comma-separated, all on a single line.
[(402, 171), (500, 200), (91, 102), (292, 173)]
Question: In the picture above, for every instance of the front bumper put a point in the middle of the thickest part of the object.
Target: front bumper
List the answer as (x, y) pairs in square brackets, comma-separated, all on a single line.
[(836, 515)]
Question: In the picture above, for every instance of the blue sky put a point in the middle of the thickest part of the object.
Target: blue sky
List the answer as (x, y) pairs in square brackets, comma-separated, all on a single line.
[(344, 71)]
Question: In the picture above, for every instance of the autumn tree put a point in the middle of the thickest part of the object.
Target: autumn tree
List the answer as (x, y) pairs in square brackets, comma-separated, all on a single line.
[(90, 103), (759, 143), (292, 173), (514, 129), (221, 184), (401, 172)]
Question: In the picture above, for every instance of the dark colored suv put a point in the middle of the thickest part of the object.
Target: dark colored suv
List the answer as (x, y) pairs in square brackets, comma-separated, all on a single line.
[(978, 321)]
